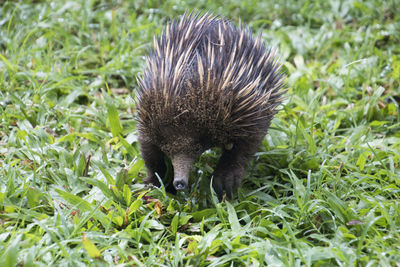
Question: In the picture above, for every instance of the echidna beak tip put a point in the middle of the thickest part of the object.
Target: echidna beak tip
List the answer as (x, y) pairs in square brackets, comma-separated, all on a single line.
[(179, 185)]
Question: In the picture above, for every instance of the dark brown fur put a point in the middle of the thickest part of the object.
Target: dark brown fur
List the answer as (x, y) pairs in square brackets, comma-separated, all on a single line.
[(207, 84)]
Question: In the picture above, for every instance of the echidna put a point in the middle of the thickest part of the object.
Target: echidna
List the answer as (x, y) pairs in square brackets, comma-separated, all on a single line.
[(207, 84)]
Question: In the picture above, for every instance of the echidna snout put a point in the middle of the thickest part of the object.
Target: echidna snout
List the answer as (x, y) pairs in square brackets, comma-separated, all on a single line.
[(182, 165)]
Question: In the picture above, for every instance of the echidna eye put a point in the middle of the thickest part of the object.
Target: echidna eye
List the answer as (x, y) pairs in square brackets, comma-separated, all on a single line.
[(165, 150)]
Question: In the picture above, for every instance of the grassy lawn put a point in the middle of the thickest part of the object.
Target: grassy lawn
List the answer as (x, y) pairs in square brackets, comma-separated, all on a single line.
[(323, 190)]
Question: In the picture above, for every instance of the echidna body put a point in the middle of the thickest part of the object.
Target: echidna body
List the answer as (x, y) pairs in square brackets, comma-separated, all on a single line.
[(207, 84)]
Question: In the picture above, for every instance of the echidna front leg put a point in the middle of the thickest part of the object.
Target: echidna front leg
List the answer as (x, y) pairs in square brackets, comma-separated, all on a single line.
[(229, 172), (154, 160)]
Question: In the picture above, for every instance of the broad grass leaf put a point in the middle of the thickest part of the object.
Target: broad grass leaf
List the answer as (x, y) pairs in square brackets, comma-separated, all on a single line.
[(199, 215), (92, 137), (8, 64), (175, 223), (131, 150), (316, 254), (362, 159), (10, 255), (232, 217), (113, 119), (72, 96), (83, 205), (81, 165), (136, 167), (184, 219), (396, 68), (126, 192), (102, 186), (33, 196), (206, 243), (135, 205), (107, 175), (90, 247), (121, 178), (193, 247)]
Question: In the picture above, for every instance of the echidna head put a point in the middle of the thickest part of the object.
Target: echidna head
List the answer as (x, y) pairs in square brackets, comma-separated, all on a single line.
[(183, 147)]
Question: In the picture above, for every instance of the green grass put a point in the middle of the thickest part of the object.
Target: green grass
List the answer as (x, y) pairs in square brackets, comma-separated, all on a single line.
[(323, 190)]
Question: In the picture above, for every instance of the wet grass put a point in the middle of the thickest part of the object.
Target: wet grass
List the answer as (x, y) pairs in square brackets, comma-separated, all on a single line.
[(323, 189)]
